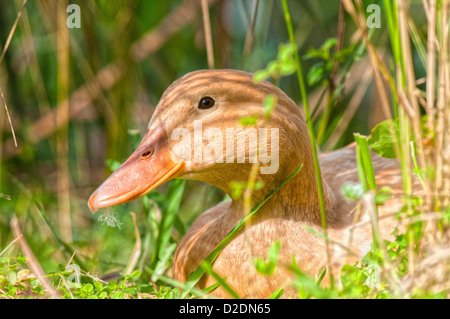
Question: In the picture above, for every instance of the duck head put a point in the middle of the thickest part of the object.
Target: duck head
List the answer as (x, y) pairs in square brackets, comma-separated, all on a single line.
[(212, 126)]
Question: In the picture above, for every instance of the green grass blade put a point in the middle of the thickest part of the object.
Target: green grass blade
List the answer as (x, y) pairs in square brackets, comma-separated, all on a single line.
[(168, 219), (416, 165), (277, 294), (365, 163), (287, 17), (211, 288), (222, 281), (175, 283), (66, 246), (367, 178)]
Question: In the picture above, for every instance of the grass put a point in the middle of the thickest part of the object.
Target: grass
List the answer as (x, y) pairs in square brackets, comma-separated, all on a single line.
[(61, 109), (309, 124)]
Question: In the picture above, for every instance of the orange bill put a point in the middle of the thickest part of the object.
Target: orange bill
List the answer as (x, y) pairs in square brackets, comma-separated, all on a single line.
[(151, 164)]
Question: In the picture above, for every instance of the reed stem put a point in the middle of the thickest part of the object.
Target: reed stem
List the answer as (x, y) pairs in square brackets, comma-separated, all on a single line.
[(309, 124)]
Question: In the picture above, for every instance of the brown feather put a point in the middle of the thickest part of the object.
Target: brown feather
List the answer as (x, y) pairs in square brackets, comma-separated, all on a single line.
[(289, 213)]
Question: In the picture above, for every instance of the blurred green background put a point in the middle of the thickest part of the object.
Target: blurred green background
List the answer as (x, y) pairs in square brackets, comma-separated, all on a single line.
[(73, 95)]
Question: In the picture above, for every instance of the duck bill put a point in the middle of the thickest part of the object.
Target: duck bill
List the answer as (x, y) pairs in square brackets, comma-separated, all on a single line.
[(151, 164)]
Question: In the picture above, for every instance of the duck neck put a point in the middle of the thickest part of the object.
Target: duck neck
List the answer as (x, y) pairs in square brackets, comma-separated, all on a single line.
[(297, 199)]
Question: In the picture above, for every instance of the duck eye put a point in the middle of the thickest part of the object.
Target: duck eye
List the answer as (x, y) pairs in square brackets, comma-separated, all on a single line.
[(206, 103), (147, 153)]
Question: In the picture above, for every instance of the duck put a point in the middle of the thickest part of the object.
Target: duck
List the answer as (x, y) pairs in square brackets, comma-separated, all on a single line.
[(196, 118)]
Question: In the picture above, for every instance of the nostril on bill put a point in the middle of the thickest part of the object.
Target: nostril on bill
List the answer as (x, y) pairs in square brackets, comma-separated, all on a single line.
[(147, 153)]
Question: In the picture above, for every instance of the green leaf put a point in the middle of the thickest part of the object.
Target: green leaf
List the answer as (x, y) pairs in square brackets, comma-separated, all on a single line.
[(287, 67), (352, 279), (112, 164), (117, 295), (353, 191), (285, 59), (260, 76), (381, 140), (269, 104), (277, 294), (237, 188), (315, 73), (102, 295), (345, 53), (285, 52), (306, 286), (112, 285), (11, 276), (98, 286), (135, 274), (258, 185), (329, 43), (267, 268), (316, 54), (249, 120), (283, 65), (21, 259), (382, 195), (272, 68), (35, 283), (87, 288)]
